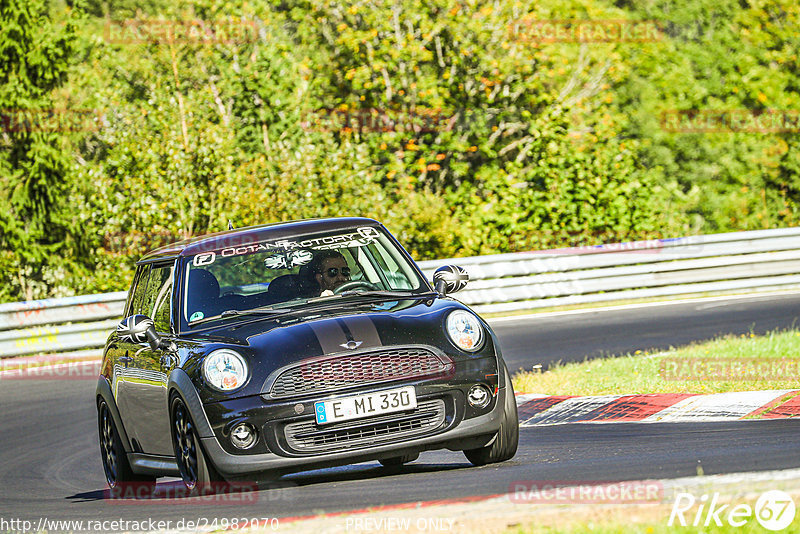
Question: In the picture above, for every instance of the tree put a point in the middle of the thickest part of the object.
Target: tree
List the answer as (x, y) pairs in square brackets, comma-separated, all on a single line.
[(37, 236)]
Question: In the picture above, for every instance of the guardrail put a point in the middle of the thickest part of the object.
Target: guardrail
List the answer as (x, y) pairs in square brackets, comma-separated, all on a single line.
[(742, 261), (755, 260)]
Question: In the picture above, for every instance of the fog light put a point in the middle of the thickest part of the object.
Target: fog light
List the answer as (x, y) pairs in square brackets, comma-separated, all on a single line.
[(479, 396), (243, 436)]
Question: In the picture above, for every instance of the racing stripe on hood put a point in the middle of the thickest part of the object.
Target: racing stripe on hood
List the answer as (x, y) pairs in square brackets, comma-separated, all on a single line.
[(361, 328), (330, 335)]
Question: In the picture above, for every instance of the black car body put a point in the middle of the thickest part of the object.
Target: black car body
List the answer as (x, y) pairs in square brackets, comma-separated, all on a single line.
[(231, 363)]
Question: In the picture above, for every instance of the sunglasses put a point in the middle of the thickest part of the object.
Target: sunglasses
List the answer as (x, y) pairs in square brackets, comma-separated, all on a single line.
[(333, 272)]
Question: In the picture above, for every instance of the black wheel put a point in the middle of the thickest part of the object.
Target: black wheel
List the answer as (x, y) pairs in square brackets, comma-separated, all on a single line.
[(196, 471), (115, 462), (397, 461), (504, 447)]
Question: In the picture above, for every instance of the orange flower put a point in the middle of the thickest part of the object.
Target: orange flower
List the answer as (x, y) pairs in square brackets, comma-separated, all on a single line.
[(433, 167), (440, 157)]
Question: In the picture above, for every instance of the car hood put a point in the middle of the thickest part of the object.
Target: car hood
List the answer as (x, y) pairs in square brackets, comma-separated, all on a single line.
[(270, 344)]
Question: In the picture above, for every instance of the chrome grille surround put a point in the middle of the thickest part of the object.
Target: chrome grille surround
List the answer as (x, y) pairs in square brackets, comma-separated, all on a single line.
[(344, 370), (308, 437)]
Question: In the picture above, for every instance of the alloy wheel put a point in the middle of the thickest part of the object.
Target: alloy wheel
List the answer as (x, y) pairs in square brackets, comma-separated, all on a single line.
[(186, 445), (109, 454)]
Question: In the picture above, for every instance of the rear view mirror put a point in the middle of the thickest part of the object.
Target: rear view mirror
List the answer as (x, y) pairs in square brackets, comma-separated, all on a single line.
[(449, 279)]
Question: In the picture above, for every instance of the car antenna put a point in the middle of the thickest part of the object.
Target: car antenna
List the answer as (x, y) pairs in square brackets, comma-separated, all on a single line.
[(230, 224)]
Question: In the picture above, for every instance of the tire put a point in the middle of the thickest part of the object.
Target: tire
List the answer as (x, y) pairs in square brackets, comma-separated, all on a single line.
[(397, 461), (197, 472), (504, 447), (118, 471)]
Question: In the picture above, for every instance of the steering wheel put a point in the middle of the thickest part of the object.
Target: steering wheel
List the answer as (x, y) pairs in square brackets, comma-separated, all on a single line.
[(354, 284)]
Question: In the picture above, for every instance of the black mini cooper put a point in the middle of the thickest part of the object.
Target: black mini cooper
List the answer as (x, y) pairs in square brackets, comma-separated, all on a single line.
[(251, 353)]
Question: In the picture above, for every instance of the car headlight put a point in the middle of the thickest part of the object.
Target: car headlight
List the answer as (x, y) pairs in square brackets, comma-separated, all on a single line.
[(225, 370), (465, 330)]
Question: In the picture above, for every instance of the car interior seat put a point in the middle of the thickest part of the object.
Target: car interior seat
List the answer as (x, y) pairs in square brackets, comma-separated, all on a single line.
[(291, 286), (203, 297)]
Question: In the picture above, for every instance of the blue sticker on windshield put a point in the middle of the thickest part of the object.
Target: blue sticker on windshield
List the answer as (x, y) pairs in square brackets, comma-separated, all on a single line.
[(197, 315)]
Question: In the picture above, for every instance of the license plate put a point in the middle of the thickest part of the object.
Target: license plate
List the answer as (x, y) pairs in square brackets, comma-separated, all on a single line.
[(344, 409)]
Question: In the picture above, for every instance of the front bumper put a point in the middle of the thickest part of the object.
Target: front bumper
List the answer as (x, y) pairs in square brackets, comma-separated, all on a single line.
[(289, 440), (463, 434)]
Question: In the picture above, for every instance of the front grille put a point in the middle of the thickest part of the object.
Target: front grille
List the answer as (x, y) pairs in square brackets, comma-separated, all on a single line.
[(346, 370), (307, 436)]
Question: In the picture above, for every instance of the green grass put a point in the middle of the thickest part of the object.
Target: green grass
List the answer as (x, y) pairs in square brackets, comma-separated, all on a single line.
[(642, 372)]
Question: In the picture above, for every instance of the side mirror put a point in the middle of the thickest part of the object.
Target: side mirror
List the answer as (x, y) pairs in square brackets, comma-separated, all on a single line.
[(449, 279), (138, 329)]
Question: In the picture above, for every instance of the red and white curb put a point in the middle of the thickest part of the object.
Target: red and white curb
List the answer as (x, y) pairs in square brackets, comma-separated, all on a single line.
[(535, 410)]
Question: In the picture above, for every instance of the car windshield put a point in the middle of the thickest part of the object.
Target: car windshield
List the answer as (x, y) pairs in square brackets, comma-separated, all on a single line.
[(272, 275)]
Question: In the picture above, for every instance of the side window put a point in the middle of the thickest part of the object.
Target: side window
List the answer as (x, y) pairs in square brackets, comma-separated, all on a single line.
[(139, 290), (355, 266), (157, 296)]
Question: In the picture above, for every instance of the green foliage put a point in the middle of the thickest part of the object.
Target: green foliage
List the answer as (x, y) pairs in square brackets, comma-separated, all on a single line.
[(501, 152), (721, 55), (41, 245), (444, 119)]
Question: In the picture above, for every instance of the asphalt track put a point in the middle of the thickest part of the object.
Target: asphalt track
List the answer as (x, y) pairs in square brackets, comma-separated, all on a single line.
[(573, 337), (50, 466)]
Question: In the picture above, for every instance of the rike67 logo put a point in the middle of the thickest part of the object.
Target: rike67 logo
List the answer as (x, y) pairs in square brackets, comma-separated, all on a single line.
[(774, 510)]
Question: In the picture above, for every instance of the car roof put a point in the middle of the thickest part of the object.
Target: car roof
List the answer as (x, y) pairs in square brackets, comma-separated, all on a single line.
[(252, 235)]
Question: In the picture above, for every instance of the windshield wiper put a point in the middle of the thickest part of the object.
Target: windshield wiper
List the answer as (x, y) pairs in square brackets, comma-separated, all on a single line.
[(267, 312)]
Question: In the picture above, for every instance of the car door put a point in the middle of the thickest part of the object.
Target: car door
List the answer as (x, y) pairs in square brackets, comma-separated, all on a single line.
[(149, 371), (121, 355)]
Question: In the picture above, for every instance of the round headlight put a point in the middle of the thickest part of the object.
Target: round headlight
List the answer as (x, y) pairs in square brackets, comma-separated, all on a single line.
[(465, 330), (225, 370)]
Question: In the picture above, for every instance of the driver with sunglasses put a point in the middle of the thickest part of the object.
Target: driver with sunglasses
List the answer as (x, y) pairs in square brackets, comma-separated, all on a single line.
[(330, 271)]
